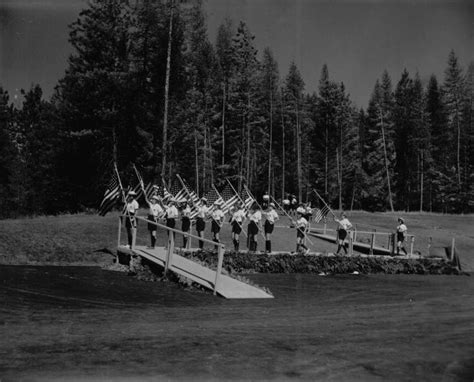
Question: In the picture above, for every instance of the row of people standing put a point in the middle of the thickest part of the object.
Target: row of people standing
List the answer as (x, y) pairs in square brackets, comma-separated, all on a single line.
[(158, 210)]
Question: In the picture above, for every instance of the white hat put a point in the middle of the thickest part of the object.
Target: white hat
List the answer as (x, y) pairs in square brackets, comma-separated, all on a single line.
[(132, 193), (300, 210), (272, 205), (156, 197)]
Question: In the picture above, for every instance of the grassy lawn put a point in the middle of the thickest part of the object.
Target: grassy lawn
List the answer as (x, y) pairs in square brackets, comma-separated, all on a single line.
[(81, 239)]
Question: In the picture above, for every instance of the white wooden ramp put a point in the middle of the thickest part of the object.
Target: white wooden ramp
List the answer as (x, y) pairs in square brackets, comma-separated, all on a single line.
[(227, 286)]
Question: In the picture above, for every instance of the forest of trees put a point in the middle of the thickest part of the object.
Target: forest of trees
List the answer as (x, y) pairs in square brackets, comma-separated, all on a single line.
[(223, 109)]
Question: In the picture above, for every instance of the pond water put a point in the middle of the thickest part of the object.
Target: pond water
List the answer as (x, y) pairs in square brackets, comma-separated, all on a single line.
[(85, 323)]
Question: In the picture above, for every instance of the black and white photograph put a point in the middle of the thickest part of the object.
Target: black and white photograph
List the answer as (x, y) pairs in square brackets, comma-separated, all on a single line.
[(236, 190)]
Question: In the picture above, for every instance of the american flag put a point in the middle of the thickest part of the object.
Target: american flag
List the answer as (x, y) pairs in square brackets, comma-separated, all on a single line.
[(230, 198), (212, 196), (178, 192), (248, 200), (320, 214), (111, 195), (152, 190), (191, 196)]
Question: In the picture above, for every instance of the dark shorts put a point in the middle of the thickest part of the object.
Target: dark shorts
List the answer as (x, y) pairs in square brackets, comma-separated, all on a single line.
[(129, 223), (200, 224), (299, 233), (253, 228), (215, 228), (268, 227), (152, 227), (170, 223), (400, 236), (236, 228), (341, 234), (185, 224)]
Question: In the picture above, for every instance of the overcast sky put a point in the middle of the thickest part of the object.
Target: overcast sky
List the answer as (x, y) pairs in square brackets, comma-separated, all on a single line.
[(357, 39)]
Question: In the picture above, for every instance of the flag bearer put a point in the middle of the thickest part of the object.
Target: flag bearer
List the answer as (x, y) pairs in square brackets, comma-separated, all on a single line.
[(154, 214), (401, 235), (237, 219), (217, 217), (271, 216), (203, 211), (301, 227), (131, 209), (343, 226), (171, 215), (255, 216), (185, 221)]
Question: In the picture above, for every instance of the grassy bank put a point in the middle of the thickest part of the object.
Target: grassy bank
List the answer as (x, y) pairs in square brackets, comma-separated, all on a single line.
[(85, 239)]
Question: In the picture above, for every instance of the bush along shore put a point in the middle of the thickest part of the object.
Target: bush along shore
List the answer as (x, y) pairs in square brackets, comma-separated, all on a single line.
[(244, 262)]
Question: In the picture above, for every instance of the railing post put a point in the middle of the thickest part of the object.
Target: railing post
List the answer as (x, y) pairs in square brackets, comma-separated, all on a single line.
[(188, 242), (220, 258), (325, 226), (134, 237), (412, 241), (169, 254), (452, 248), (372, 243), (119, 231), (351, 242), (389, 242), (430, 240)]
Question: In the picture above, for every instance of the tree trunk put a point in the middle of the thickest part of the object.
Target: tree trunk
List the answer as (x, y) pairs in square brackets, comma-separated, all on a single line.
[(270, 149), (248, 139), (421, 182), (223, 123), (164, 146), (298, 153), (386, 164), (196, 160), (326, 163)]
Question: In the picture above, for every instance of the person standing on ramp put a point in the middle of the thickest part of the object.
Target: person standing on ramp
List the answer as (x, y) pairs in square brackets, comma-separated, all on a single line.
[(343, 226), (271, 216), (401, 236)]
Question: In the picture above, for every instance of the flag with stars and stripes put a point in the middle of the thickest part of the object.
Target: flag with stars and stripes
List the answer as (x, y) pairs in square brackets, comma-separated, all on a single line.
[(247, 199), (230, 199), (111, 195), (320, 214)]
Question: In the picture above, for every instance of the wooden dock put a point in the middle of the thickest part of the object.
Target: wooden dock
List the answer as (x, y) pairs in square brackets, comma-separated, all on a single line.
[(227, 286), (358, 246)]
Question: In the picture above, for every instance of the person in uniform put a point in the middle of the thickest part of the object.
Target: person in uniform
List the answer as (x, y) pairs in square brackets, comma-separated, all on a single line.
[(202, 213), (294, 204), (271, 216), (217, 217), (237, 219), (185, 221), (131, 209), (301, 227), (171, 215), (401, 235), (154, 214), (343, 226), (255, 216)]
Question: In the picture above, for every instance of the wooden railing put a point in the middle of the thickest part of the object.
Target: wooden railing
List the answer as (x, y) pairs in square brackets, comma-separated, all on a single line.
[(171, 244)]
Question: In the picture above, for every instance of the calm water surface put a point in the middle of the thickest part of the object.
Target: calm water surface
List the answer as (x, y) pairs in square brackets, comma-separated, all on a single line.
[(84, 323)]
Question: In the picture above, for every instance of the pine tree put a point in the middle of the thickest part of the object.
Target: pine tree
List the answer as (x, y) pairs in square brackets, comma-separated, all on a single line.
[(454, 99)]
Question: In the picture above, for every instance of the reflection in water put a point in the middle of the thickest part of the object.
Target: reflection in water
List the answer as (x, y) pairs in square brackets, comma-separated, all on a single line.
[(67, 322)]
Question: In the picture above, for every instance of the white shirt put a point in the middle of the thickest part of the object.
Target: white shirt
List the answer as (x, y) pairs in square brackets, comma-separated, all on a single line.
[(286, 202), (171, 212), (344, 223), (155, 209), (271, 216), (402, 228), (255, 216), (238, 216), (132, 207), (217, 215), (186, 212), (301, 224), (202, 212)]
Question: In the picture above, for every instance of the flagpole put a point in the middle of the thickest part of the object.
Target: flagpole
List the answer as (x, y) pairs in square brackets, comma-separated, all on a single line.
[(142, 185), (258, 204), (243, 204), (123, 192), (319, 196), (293, 221), (185, 188)]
